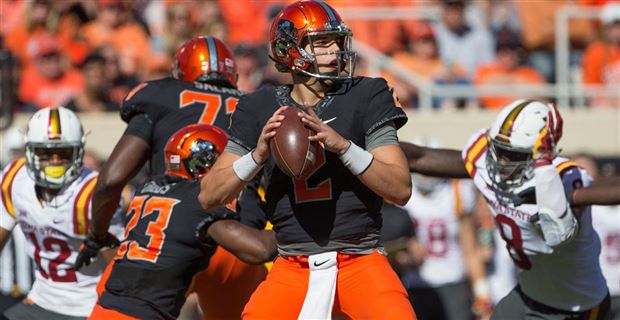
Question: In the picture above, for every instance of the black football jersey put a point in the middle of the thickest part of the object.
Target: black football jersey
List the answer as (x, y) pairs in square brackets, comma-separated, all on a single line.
[(169, 105), (331, 209), (161, 252)]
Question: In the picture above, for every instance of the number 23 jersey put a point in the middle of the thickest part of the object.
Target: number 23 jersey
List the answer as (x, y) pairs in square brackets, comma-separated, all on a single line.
[(567, 277), (54, 232)]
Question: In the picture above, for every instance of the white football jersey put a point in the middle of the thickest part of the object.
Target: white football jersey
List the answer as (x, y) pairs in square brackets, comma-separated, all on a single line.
[(568, 277), (606, 222), (54, 231), (437, 219)]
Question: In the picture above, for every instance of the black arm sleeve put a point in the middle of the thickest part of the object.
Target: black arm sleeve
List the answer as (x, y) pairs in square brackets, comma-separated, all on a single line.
[(140, 126)]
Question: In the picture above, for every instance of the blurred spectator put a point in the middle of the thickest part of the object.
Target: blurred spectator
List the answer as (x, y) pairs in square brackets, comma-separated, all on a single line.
[(246, 20), (423, 60), (387, 36), (114, 25), (538, 31), (12, 146), (38, 18), (248, 67), (178, 25), (211, 22), (51, 80), (92, 161), (459, 42), (601, 61), (507, 69), (120, 84), (95, 96)]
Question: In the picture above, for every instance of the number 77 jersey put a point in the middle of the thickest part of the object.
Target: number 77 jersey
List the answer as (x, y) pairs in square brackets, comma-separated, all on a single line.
[(156, 109), (567, 277), (55, 230)]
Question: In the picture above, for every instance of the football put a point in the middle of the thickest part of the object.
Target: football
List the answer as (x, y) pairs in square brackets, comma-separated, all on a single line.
[(294, 154)]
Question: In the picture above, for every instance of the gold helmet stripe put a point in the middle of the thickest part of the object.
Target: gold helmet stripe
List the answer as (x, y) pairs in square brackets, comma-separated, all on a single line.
[(54, 131), (506, 128)]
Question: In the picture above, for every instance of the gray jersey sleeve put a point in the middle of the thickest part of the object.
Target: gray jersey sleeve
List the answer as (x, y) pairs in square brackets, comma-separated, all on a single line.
[(382, 136)]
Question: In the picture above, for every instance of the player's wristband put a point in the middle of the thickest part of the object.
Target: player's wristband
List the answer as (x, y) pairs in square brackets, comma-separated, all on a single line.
[(481, 289), (246, 168), (356, 159)]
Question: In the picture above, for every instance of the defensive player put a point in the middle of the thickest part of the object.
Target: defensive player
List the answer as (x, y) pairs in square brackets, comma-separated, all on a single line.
[(169, 237), (442, 211), (48, 194), (529, 189), (329, 222), (202, 89)]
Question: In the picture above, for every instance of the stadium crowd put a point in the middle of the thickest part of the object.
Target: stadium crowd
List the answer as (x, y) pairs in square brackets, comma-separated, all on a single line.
[(89, 54)]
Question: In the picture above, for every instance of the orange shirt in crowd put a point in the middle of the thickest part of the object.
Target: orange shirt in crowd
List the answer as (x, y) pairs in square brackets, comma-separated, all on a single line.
[(129, 40), (41, 92), (601, 64), (247, 20), (494, 74)]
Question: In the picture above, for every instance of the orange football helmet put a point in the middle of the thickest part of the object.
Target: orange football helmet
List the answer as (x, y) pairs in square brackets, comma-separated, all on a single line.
[(300, 22), (191, 151), (205, 59)]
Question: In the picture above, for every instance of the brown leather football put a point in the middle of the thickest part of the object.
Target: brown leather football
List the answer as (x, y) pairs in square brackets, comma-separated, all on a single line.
[(294, 154)]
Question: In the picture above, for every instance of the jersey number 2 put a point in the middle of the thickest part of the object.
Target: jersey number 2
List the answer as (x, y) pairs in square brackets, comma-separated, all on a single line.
[(212, 102), (323, 191), (142, 207)]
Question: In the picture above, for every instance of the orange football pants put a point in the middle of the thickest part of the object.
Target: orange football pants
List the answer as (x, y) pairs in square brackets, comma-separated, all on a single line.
[(366, 288), (226, 285)]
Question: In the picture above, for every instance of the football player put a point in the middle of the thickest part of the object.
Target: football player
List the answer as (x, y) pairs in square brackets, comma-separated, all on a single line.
[(201, 89), (48, 194), (442, 210), (329, 222), (169, 237), (539, 212)]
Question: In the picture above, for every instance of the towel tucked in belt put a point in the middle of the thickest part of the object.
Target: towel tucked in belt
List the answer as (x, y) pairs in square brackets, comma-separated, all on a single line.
[(321, 286)]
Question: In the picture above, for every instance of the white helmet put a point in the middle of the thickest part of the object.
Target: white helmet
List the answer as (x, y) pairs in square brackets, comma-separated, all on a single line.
[(54, 128), (512, 138)]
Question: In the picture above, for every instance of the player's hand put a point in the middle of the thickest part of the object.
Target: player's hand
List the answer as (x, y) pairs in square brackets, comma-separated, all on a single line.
[(545, 147), (91, 246), (328, 137), (262, 151)]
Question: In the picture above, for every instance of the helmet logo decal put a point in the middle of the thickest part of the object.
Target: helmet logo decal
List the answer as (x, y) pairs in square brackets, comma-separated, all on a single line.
[(285, 36), (54, 131), (175, 161)]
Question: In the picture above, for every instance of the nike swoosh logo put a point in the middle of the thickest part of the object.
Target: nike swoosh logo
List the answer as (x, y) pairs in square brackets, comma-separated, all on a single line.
[(330, 120), (322, 263)]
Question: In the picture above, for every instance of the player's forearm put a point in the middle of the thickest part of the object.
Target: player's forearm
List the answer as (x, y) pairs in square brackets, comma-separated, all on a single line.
[(105, 204), (219, 187), (248, 244), (390, 181), (604, 191), (444, 163)]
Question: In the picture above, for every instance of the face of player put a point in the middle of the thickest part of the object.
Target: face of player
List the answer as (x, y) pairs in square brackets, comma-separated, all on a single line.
[(54, 161), (509, 167), (324, 47)]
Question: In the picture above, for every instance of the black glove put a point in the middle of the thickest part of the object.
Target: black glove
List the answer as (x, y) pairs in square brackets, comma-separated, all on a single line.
[(91, 246)]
